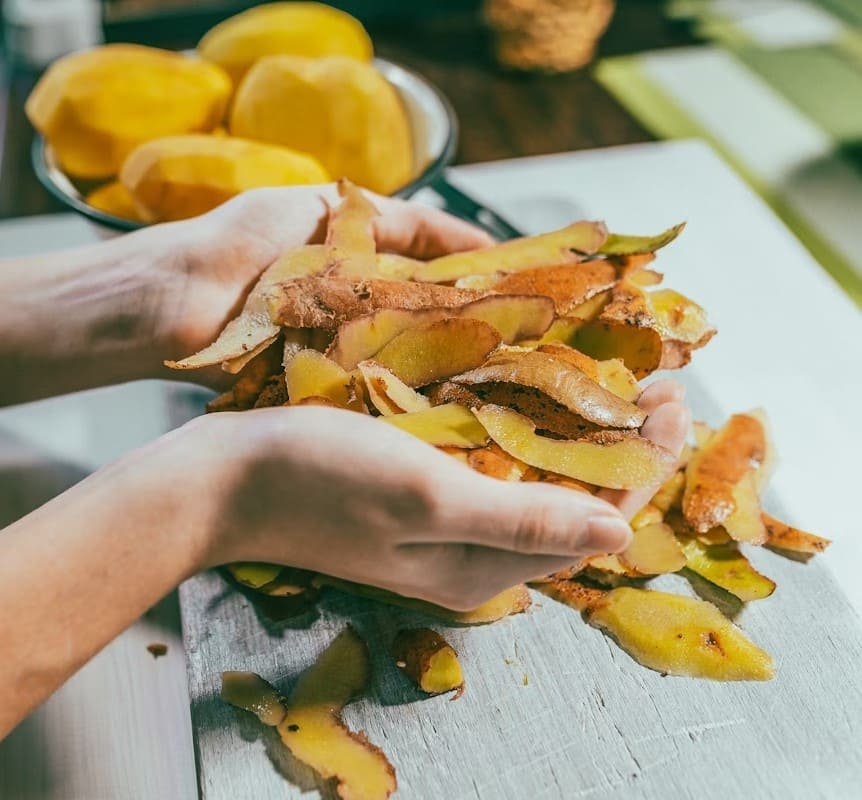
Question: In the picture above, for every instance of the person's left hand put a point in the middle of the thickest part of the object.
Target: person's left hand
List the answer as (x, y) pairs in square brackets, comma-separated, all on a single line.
[(223, 253)]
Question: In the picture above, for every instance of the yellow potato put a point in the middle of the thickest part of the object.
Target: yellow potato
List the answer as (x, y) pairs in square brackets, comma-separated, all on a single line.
[(725, 566), (653, 550), (340, 110), (388, 393), (176, 177), (449, 425), (428, 660), (299, 29), (114, 198), (312, 374), (95, 107), (250, 692)]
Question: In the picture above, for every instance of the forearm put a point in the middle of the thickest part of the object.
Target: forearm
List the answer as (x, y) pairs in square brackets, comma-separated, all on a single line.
[(84, 318), (85, 566)]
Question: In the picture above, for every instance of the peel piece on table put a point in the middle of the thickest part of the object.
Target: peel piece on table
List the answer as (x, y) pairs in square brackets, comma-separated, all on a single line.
[(513, 316), (678, 635), (560, 380), (654, 550), (428, 660), (568, 245), (301, 29), (250, 692), (618, 244), (567, 286), (782, 536), (178, 177), (616, 462), (514, 600), (669, 633), (723, 479), (96, 106), (438, 350), (254, 325), (449, 425), (724, 566), (311, 374), (388, 393), (314, 733), (350, 235), (328, 301)]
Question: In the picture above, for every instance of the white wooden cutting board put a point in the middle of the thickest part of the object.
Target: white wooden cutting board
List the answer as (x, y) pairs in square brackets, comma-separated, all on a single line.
[(553, 709)]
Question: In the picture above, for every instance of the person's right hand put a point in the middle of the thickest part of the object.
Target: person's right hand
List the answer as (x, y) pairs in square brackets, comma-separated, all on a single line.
[(344, 494)]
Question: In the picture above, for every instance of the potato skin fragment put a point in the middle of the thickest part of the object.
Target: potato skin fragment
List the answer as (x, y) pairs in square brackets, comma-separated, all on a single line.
[(250, 692), (715, 472), (562, 382), (618, 244), (449, 425), (724, 566), (568, 245), (328, 301), (313, 731), (782, 536), (428, 660), (610, 459), (567, 286)]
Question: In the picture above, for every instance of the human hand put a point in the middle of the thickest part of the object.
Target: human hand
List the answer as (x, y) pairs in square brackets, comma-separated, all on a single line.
[(221, 254), (341, 493)]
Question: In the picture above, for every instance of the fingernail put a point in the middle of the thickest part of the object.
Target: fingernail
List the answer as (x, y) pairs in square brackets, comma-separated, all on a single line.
[(608, 534)]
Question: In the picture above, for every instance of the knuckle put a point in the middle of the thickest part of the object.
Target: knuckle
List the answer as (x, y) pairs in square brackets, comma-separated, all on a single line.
[(530, 532)]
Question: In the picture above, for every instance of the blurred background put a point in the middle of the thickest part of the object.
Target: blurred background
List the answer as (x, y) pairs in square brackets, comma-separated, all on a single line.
[(774, 86)]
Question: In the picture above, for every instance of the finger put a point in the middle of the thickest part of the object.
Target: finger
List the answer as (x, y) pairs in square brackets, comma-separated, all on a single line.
[(659, 393), (421, 232), (667, 427), (530, 518), (467, 576)]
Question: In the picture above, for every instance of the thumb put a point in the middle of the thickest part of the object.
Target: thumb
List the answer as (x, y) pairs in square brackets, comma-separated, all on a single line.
[(538, 519)]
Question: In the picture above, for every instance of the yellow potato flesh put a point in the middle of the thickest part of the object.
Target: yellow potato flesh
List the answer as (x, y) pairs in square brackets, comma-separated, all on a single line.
[(428, 660), (177, 177), (313, 731), (565, 246), (254, 326), (301, 29), (648, 515), (432, 352), (339, 110), (618, 244), (448, 425), (114, 198), (250, 692), (627, 464), (640, 349), (513, 317), (96, 106), (654, 550), (669, 494), (677, 317), (350, 238), (388, 393), (677, 635), (561, 381), (725, 566), (254, 574), (786, 537), (745, 522), (312, 374), (511, 601)]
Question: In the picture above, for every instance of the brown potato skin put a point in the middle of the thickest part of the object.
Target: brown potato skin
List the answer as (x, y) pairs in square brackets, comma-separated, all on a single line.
[(567, 286), (414, 648), (326, 302)]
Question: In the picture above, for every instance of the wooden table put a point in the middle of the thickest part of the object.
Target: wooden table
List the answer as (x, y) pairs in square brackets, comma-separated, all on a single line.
[(503, 115)]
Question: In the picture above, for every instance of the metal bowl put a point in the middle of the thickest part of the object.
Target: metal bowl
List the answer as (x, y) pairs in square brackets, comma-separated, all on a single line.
[(433, 125)]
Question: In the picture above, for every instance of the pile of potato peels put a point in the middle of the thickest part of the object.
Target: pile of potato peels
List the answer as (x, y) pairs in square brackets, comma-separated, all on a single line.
[(523, 361)]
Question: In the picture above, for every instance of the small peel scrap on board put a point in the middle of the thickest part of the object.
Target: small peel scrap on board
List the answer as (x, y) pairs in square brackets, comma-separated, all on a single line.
[(522, 361), (309, 720)]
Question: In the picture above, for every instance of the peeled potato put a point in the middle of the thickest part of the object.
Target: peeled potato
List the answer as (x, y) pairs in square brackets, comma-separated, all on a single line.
[(340, 110), (177, 177), (95, 107), (299, 29), (114, 198)]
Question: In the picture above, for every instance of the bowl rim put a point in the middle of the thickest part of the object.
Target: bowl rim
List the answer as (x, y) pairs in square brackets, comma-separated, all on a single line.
[(429, 175)]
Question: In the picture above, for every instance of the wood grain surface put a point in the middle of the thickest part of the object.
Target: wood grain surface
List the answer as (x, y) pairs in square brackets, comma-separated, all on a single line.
[(552, 708)]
